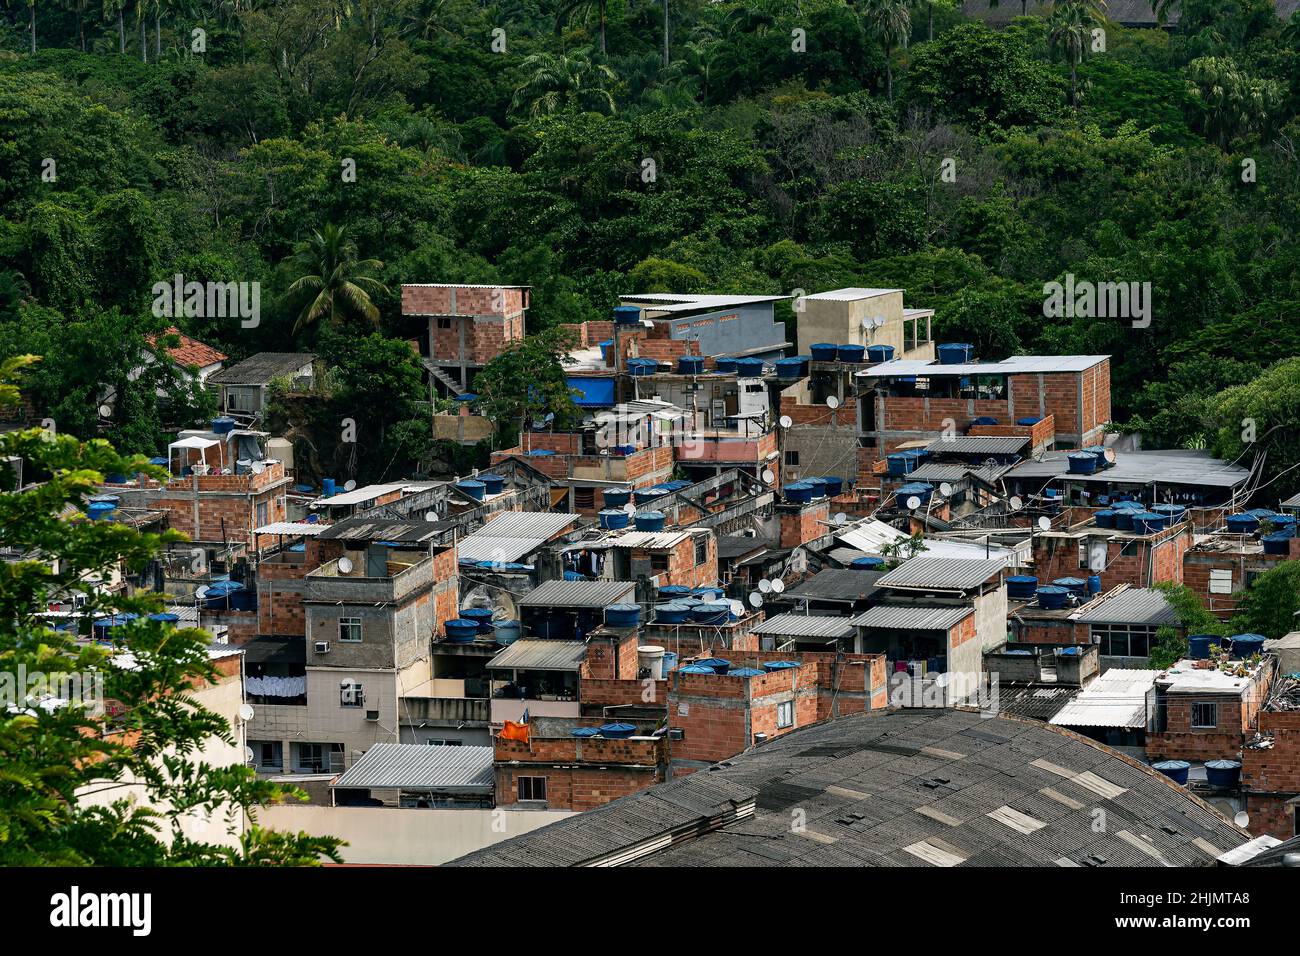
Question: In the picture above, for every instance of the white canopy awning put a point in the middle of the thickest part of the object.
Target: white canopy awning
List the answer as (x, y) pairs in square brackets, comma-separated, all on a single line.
[(194, 441)]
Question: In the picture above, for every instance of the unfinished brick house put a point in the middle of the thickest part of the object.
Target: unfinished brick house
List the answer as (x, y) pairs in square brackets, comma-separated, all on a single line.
[(1114, 555), (714, 716), (220, 509), (1218, 568), (1204, 713), (1270, 765), (467, 326)]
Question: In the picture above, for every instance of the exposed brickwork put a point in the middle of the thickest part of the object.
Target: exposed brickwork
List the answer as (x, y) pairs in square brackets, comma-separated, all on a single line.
[(1137, 560), (803, 523), (1271, 776), (228, 507), (581, 773)]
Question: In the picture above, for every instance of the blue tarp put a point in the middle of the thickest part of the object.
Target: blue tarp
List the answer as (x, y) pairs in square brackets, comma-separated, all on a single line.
[(592, 392)]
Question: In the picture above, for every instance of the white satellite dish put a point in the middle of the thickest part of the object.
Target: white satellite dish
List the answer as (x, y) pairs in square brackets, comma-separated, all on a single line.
[(765, 585), (737, 608), (1015, 503), (1241, 819), (257, 467), (840, 518), (431, 516), (832, 402), (1045, 523), (345, 565), (349, 485), (201, 592), (945, 489), (879, 321), (756, 599), (248, 755), (778, 585), (913, 503), (868, 323), (768, 475), (786, 421), (245, 712)]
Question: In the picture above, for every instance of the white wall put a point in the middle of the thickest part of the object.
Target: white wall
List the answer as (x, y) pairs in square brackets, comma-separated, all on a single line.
[(410, 837)]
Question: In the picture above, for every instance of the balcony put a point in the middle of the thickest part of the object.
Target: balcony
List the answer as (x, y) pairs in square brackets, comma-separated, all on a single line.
[(353, 587)]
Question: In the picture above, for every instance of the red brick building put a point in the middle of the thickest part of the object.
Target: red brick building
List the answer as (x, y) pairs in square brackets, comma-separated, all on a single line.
[(1218, 568), (1270, 766), (468, 324), (1206, 713), (1116, 556)]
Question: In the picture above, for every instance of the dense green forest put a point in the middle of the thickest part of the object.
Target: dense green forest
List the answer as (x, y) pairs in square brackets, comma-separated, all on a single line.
[(594, 147)]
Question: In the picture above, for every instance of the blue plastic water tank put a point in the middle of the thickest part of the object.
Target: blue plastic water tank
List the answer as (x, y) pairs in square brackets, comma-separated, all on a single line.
[(1022, 587), (327, 487), (493, 484), (724, 365), (617, 731), (1094, 584), (984, 420), (585, 732), (1175, 770), (1028, 420), (649, 521), (482, 616), (1244, 646), (506, 632), (1279, 542), (825, 352), (850, 353), (1073, 585), (1222, 773), (613, 518), (834, 485), (1105, 518), (1082, 463), (798, 492), (780, 665), (623, 615), (817, 486), (460, 630), (955, 353), (223, 425), (1124, 518), (1051, 597), (690, 365), (746, 672), (749, 367), (642, 366), (472, 488), (671, 592), (1242, 524), (696, 669), (867, 562), (1198, 645), (880, 353), (789, 368), (711, 613), (718, 664), (627, 314), (672, 613), (616, 497)]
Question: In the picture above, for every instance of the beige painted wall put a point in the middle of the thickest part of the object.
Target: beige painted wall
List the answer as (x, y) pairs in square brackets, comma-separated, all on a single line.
[(409, 837)]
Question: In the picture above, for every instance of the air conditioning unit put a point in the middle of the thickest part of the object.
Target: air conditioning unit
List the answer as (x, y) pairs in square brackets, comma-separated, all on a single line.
[(372, 716), (322, 647)]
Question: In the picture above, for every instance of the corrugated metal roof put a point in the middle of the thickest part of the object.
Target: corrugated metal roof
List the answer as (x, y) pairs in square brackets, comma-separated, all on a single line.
[(361, 495), (259, 369), (1115, 699), (291, 527), (651, 539), (1140, 468), (913, 618), (499, 550), (942, 573), (806, 625), (578, 594), (527, 524), (837, 584), (1133, 606), (421, 767), (977, 445), (851, 294), (371, 529), (941, 471), (546, 654)]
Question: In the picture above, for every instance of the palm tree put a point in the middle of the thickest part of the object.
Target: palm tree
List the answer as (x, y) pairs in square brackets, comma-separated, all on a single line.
[(79, 8), (557, 82), (1069, 26), (581, 10), (140, 7), (31, 23), (890, 22), (115, 8), (336, 283)]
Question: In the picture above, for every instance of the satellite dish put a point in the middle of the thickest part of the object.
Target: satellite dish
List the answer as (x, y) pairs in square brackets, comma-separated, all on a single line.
[(765, 585), (786, 421), (768, 476), (868, 323), (248, 755), (431, 516), (832, 402), (349, 485), (201, 592), (840, 518), (879, 321), (1045, 523), (1241, 819), (1015, 503), (756, 599), (737, 608), (945, 489), (245, 712), (778, 585), (630, 508), (345, 565), (913, 503), (257, 467)]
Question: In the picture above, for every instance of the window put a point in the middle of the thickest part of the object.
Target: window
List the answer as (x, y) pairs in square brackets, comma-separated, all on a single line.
[(1205, 716), (1083, 552), (531, 788), (351, 694), (444, 743), (1129, 549), (1123, 640), (701, 549), (268, 756), (444, 322), (658, 562), (261, 513), (1220, 580), (584, 498), (319, 758), (785, 715), (792, 458), (350, 630)]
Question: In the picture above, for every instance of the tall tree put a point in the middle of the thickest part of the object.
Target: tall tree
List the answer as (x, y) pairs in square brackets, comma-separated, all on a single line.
[(555, 83), (582, 10), (335, 282), (116, 8), (890, 23), (1069, 28)]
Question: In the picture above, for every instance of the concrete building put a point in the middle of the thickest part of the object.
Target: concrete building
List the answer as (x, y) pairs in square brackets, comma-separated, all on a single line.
[(669, 326), (864, 317)]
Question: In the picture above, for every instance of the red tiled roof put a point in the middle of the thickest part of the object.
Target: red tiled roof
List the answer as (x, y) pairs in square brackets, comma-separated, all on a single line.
[(191, 351)]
